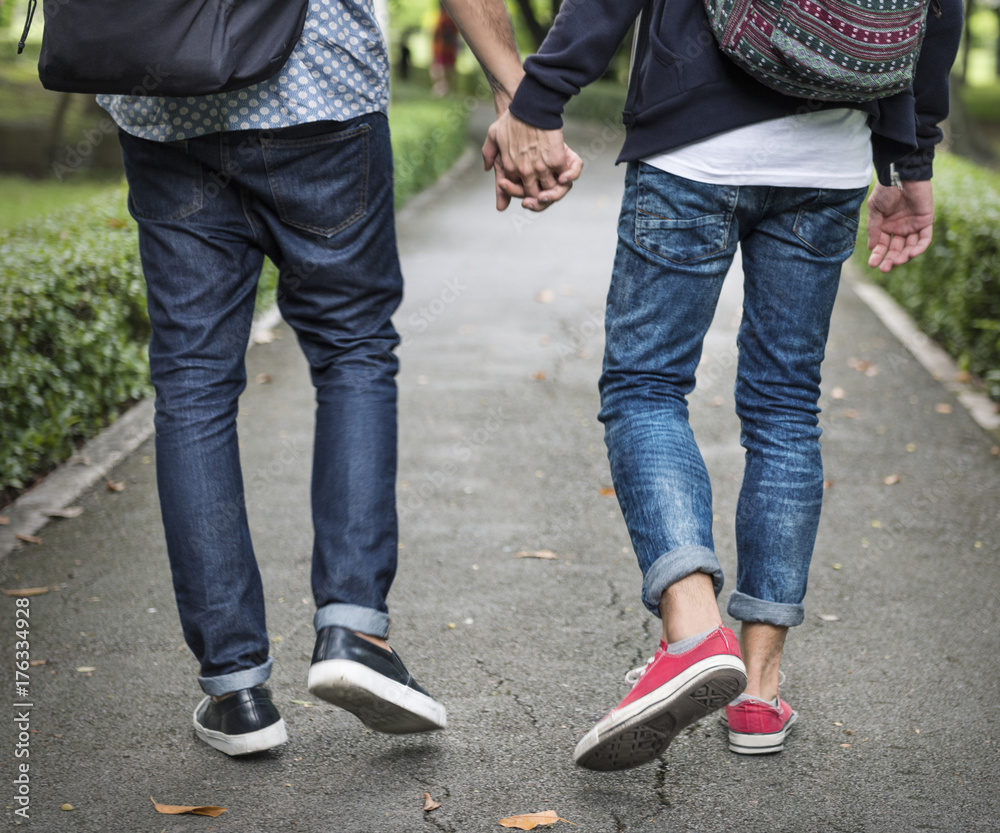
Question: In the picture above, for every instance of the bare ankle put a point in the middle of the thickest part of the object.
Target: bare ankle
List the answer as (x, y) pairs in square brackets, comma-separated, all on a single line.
[(688, 607)]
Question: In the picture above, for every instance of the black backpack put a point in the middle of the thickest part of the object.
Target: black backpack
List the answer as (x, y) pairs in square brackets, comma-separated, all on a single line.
[(164, 47)]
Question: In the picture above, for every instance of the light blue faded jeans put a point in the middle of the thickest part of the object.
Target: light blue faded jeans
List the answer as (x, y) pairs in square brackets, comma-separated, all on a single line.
[(676, 241)]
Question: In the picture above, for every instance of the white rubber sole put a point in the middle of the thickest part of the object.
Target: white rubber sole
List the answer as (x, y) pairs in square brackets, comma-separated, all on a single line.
[(642, 730), (380, 703), (760, 744), (266, 738)]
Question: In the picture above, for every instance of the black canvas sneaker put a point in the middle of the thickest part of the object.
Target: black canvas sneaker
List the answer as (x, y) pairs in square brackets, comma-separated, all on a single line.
[(371, 683), (240, 723)]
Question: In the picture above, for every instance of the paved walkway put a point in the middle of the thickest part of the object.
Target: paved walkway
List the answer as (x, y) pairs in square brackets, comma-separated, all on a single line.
[(894, 672)]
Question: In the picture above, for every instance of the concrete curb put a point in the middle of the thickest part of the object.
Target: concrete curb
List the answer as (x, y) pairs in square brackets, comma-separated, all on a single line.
[(929, 353)]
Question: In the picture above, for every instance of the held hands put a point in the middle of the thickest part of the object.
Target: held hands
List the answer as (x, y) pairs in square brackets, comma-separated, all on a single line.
[(531, 164), (899, 223)]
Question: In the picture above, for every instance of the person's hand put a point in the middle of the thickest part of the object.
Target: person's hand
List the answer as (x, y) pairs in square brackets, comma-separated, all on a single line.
[(531, 164), (899, 223)]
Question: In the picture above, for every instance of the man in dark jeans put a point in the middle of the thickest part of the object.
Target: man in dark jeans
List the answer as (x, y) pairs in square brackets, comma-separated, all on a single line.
[(297, 169), (715, 160)]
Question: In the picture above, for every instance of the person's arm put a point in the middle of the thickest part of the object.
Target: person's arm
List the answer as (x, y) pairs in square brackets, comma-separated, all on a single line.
[(487, 29), (901, 205), (526, 144)]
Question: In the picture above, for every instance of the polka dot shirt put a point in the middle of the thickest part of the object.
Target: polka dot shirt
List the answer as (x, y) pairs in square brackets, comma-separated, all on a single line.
[(338, 70)]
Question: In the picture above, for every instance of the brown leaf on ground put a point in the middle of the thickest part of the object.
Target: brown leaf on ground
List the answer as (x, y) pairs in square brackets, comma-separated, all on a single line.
[(838, 393), (112, 486), (851, 413), (607, 491), (429, 803), (891, 479), (28, 539), (532, 820), (27, 591), (67, 512), (538, 375), (546, 296), (177, 809), (264, 378), (4, 520), (543, 554), (942, 408)]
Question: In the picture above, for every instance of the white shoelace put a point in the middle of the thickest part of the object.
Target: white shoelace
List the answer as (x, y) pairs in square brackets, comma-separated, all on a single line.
[(633, 676)]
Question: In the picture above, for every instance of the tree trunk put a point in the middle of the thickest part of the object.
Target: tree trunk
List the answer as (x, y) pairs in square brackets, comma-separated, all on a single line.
[(536, 28)]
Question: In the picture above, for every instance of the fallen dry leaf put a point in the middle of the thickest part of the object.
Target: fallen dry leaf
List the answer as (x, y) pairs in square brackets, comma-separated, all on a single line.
[(607, 491), (891, 480), (28, 539), (67, 512), (36, 662), (27, 591), (114, 487), (851, 413), (532, 820), (943, 408), (264, 378), (829, 617), (838, 393), (538, 375), (429, 803), (86, 669), (546, 296), (66, 807), (4, 520), (176, 809), (544, 554)]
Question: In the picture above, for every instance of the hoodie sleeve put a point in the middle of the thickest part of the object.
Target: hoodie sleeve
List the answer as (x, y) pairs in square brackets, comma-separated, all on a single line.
[(930, 93), (578, 49)]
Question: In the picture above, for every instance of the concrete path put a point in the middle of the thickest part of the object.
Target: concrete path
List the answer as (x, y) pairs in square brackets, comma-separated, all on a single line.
[(894, 672)]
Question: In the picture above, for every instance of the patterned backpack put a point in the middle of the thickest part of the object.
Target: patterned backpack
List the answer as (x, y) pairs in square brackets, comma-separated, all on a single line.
[(831, 50)]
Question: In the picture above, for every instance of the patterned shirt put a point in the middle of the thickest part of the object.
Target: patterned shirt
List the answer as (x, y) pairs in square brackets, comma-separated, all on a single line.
[(338, 70)]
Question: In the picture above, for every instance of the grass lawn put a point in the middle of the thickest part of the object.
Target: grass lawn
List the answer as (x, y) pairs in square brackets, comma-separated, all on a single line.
[(25, 199)]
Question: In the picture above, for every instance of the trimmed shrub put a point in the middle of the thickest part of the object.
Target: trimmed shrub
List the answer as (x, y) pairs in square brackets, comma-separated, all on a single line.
[(73, 329), (953, 289)]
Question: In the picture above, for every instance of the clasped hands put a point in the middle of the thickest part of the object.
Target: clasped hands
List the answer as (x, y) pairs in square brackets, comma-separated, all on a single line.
[(531, 164)]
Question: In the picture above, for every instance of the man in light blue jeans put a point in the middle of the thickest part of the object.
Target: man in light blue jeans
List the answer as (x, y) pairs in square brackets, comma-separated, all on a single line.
[(716, 159)]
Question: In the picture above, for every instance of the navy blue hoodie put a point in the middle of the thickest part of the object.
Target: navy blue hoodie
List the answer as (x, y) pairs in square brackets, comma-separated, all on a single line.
[(683, 89)]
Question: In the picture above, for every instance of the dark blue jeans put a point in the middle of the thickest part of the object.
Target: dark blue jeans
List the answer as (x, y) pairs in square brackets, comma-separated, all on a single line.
[(317, 200), (677, 240)]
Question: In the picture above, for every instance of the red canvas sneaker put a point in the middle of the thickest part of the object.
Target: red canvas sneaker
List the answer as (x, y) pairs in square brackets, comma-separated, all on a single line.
[(671, 693), (756, 727)]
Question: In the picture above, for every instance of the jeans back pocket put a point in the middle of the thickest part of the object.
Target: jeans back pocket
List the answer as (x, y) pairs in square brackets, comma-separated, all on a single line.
[(320, 183)]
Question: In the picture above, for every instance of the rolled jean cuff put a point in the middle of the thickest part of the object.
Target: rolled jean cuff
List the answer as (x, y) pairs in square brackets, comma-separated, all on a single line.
[(353, 617), (748, 609), (238, 680), (672, 566)]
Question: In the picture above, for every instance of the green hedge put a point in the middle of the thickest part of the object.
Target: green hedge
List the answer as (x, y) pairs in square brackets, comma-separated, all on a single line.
[(73, 329), (953, 289), (73, 323)]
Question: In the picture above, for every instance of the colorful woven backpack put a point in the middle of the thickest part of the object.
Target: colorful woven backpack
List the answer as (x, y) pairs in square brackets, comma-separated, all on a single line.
[(832, 50)]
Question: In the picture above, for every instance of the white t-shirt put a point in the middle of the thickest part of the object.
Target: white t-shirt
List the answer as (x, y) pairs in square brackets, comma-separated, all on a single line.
[(822, 149)]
